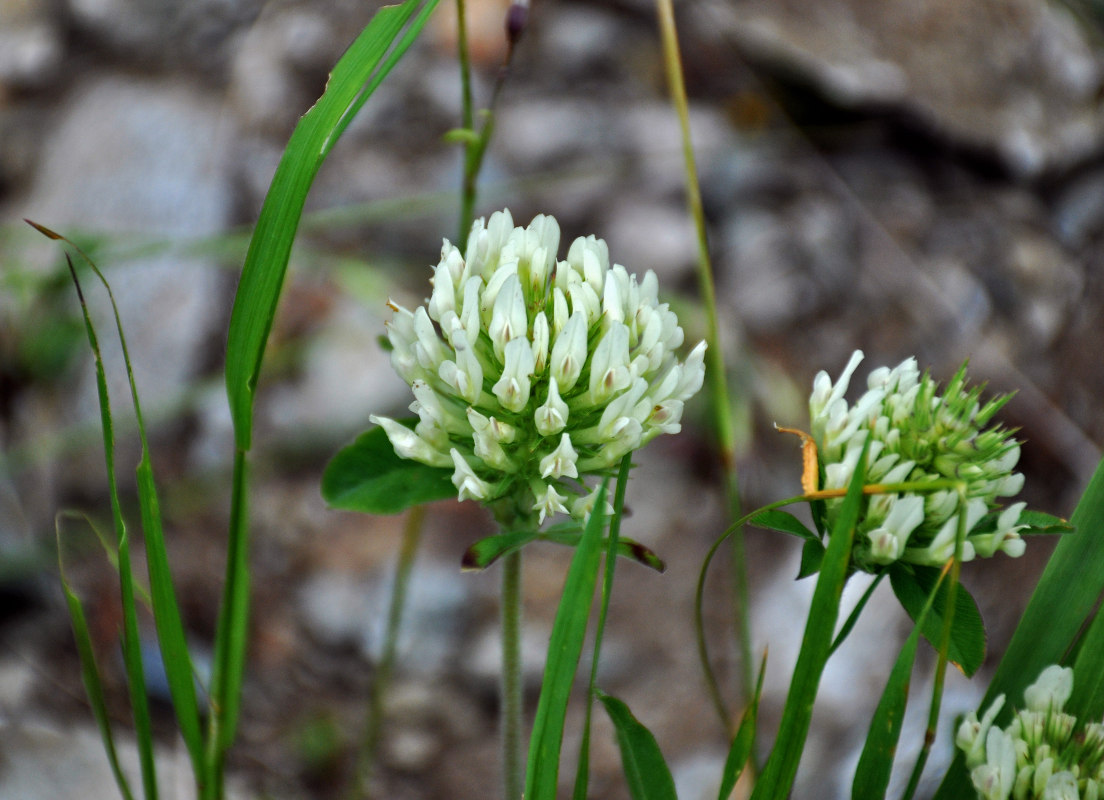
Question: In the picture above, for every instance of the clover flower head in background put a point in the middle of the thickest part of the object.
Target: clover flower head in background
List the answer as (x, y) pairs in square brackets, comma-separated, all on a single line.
[(1042, 754), (918, 435), (530, 373)]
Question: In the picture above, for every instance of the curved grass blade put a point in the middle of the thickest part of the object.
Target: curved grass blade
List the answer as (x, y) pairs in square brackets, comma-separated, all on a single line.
[(353, 80), (132, 655), (368, 476), (876, 761), (1063, 600), (179, 670), (356, 75), (744, 740), (781, 767), (641, 759), (564, 649)]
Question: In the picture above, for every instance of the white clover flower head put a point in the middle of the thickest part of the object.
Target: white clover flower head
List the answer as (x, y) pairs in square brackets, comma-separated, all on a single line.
[(916, 434), (530, 373), (1054, 756)]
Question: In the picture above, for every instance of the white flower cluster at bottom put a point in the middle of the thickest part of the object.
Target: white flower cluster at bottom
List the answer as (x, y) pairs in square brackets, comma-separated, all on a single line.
[(1042, 754)]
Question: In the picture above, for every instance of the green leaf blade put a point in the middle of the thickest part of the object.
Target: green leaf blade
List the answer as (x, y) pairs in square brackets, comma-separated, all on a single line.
[(913, 585), (564, 649), (784, 522), (781, 767), (367, 476), (645, 769)]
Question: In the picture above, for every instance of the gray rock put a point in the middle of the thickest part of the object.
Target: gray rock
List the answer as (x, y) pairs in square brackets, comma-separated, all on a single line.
[(346, 376), (347, 609), (141, 161), (656, 236), (31, 48), (39, 761), (1020, 78)]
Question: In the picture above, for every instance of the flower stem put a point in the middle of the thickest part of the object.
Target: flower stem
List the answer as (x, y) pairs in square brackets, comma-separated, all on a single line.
[(511, 699), (715, 375)]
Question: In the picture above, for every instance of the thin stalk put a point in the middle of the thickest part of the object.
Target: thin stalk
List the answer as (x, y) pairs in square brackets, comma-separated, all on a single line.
[(715, 376), (475, 144), (465, 64), (366, 761), (944, 647), (513, 770)]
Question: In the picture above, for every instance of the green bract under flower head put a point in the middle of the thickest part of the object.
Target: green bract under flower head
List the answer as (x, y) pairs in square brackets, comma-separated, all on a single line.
[(918, 435), (1043, 753), (531, 373)]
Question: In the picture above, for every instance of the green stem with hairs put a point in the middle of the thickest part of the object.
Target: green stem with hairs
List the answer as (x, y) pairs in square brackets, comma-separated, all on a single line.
[(513, 769), (715, 376)]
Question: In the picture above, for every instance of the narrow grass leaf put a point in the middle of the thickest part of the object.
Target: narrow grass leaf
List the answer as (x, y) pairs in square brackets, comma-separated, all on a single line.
[(368, 476), (582, 767), (357, 74), (1063, 600), (740, 750), (912, 585), (781, 767), (784, 522), (564, 649), (642, 761), (179, 670), (876, 761), (132, 655)]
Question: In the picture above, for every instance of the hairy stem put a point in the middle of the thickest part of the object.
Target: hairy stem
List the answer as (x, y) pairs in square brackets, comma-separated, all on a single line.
[(513, 770)]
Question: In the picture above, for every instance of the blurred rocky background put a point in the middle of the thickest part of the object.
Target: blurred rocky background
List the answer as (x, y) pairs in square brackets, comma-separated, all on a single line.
[(913, 179)]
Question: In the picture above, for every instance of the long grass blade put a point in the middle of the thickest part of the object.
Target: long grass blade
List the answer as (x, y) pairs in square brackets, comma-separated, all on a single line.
[(354, 78), (564, 650), (179, 670), (781, 767), (613, 547), (356, 75), (132, 648)]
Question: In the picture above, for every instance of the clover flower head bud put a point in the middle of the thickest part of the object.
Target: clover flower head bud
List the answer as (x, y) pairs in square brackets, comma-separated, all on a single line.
[(914, 433), (532, 375)]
